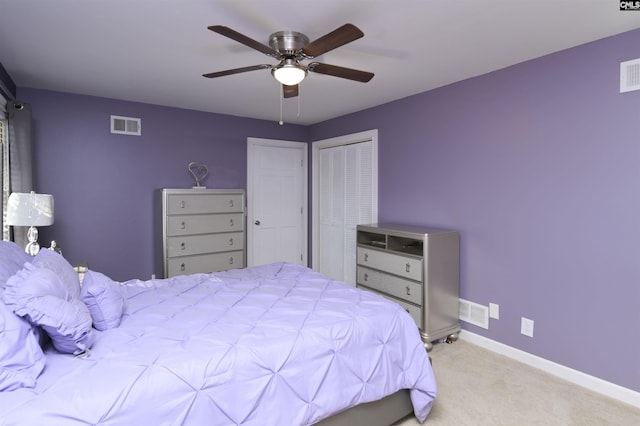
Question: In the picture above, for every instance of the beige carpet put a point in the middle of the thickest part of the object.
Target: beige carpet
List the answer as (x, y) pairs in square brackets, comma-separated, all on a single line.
[(478, 387)]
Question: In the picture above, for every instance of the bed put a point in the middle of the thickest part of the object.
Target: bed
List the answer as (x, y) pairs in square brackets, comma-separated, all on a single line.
[(277, 344)]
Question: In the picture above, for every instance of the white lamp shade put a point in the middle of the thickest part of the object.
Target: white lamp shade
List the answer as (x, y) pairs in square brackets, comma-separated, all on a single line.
[(30, 209), (289, 75)]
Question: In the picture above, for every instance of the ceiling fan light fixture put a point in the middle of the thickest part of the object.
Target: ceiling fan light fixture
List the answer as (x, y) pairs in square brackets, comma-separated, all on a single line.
[(289, 72)]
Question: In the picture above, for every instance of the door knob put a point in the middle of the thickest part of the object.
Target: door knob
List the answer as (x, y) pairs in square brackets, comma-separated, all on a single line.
[(257, 222)]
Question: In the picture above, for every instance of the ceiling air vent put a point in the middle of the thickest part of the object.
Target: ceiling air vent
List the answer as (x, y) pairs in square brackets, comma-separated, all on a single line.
[(126, 125), (629, 75)]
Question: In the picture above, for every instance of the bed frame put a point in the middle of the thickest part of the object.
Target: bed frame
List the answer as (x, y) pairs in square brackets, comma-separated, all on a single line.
[(383, 412)]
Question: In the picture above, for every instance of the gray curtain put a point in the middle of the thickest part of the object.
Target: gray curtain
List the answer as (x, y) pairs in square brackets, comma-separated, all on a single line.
[(4, 167), (20, 157)]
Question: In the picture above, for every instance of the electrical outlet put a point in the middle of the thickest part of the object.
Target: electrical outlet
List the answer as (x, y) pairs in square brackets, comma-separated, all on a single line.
[(494, 311), (526, 326)]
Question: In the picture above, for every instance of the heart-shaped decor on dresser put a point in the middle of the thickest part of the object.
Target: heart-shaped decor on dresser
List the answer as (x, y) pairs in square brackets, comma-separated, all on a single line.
[(199, 172)]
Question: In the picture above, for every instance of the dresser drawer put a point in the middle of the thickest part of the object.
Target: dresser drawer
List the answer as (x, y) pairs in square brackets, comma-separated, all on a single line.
[(205, 263), (204, 224), (404, 266), (207, 243), (204, 203), (413, 310), (401, 288)]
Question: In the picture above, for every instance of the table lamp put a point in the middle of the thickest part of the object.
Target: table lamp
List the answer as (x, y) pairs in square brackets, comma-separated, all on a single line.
[(30, 210)]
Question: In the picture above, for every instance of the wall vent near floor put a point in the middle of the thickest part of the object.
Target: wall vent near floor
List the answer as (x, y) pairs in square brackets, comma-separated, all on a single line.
[(474, 313), (630, 75), (126, 125)]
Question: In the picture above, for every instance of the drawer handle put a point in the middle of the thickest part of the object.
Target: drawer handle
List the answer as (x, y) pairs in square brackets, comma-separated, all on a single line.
[(182, 204), (366, 276), (183, 267), (366, 257), (231, 260), (230, 203), (183, 225), (231, 222), (408, 291), (408, 267), (231, 241), (183, 246)]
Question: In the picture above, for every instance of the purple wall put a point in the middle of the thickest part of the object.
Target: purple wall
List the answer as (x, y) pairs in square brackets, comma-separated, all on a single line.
[(104, 184), (538, 166)]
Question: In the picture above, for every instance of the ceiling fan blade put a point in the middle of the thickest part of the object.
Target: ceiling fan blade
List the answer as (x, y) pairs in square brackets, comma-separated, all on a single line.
[(241, 38), (336, 38), (236, 71), (342, 72), (290, 91)]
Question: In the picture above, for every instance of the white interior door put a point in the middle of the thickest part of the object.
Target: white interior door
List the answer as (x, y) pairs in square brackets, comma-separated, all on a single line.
[(345, 194), (276, 202)]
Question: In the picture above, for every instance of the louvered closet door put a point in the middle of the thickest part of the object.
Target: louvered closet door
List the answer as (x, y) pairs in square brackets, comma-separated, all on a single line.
[(331, 218), (345, 200)]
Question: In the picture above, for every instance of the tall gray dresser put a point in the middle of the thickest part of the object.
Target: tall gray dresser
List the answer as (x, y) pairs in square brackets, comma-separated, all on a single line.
[(203, 230), (417, 267)]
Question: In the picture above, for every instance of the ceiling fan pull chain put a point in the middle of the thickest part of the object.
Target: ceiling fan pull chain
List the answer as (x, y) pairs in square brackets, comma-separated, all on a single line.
[(281, 98), (299, 96)]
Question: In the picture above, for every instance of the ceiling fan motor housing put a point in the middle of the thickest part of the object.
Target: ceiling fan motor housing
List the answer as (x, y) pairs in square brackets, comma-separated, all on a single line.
[(288, 42)]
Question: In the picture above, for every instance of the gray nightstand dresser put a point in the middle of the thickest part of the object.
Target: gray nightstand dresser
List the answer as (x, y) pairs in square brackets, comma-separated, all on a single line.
[(203, 230), (418, 268)]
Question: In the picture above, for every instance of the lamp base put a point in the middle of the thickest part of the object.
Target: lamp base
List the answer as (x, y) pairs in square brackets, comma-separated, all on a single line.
[(32, 247)]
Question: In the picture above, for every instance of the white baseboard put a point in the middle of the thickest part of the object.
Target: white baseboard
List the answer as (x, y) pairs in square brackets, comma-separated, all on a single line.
[(576, 377)]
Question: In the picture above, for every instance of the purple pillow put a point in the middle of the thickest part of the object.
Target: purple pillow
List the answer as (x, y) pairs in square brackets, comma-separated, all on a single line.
[(39, 295), (21, 359), (53, 261), (104, 299), (12, 259)]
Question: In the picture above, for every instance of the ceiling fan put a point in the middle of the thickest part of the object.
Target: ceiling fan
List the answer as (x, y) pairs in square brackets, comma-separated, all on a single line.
[(290, 48)]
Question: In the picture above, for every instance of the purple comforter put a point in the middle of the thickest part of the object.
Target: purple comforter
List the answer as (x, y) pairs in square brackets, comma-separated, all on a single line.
[(272, 345)]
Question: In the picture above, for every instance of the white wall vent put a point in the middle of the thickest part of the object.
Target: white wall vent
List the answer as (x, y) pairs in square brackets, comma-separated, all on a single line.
[(474, 313), (126, 125), (630, 75)]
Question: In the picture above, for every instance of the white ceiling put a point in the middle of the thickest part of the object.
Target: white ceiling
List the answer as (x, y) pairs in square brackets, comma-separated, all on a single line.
[(155, 51)]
